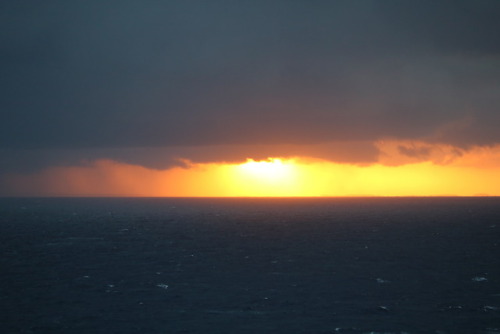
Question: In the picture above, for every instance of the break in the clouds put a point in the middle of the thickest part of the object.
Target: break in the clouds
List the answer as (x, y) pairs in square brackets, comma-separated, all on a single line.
[(106, 77)]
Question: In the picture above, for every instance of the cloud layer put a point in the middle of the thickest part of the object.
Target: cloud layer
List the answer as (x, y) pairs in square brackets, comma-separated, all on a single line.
[(79, 79)]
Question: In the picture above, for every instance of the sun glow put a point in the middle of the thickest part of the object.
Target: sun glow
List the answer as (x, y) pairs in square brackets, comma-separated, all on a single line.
[(271, 177), (271, 170), (470, 173)]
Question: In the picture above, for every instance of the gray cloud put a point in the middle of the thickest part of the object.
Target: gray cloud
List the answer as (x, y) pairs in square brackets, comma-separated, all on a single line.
[(104, 75), (415, 152), (31, 160)]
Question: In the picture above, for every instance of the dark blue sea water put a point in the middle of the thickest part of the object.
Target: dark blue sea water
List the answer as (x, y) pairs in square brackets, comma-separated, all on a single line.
[(335, 265)]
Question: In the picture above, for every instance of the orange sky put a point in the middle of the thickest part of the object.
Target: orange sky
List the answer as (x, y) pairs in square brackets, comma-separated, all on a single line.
[(430, 170)]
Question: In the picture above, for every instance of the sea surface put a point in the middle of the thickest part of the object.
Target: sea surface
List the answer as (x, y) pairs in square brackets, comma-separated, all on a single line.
[(174, 265)]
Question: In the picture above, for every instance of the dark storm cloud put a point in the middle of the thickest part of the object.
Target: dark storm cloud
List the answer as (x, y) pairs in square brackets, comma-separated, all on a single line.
[(95, 75)]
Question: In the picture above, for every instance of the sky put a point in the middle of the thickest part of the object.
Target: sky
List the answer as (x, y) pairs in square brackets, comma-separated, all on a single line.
[(172, 98)]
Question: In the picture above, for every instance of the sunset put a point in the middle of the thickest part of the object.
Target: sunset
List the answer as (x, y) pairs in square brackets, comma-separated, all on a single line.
[(250, 166), (365, 99), (441, 171)]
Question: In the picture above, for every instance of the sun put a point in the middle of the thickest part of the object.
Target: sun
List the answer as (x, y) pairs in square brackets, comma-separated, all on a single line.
[(270, 177), (272, 170)]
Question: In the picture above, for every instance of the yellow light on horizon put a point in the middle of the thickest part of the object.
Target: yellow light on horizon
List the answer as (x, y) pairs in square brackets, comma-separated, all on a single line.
[(272, 170), (473, 173), (271, 177)]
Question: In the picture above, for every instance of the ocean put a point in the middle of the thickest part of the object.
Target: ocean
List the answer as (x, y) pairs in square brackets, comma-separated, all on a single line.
[(250, 265)]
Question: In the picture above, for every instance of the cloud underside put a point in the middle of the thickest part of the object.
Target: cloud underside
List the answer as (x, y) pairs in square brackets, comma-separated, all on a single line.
[(360, 153), (403, 169)]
